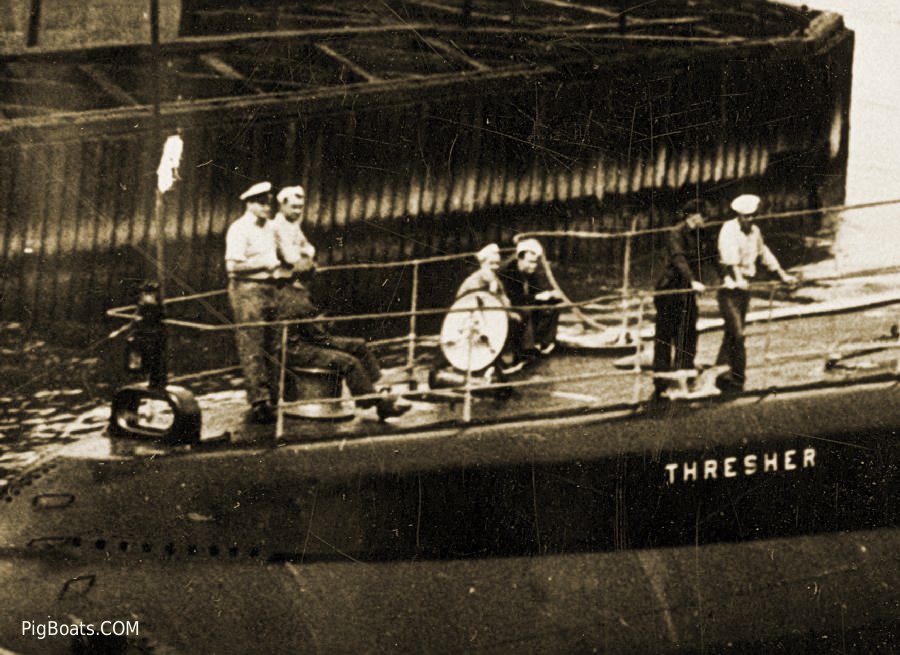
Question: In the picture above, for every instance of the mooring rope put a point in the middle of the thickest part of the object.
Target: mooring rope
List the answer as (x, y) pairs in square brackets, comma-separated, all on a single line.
[(668, 228)]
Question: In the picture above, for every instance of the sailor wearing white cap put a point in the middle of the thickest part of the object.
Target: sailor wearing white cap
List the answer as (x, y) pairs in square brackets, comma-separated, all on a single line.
[(251, 260), (294, 249), (740, 246), (526, 285), (258, 192), (296, 254), (485, 278), (250, 251), (309, 344)]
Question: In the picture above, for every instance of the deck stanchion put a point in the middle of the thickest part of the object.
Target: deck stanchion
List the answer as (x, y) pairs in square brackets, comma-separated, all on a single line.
[(413, 308), (626, 284), (467, 397), (282, 366), (897, 345), (768, 335), (639, 351)]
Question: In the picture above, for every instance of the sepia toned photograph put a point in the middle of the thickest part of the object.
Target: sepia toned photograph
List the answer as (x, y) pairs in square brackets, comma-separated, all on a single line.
[(449, 326)]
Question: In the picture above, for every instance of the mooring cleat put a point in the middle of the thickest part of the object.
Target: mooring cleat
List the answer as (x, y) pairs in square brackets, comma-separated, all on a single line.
[(390, 409), (547, 348), (262, 413), (691, 384)]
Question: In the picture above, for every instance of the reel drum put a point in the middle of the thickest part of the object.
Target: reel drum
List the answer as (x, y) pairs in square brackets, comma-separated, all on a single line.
[(472, 340)]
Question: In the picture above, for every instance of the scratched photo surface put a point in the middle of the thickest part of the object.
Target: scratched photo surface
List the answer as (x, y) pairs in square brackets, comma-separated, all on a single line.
[(449, 326)]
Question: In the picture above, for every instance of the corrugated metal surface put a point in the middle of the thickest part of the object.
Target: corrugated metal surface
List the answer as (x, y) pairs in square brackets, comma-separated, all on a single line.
[(394, 172)]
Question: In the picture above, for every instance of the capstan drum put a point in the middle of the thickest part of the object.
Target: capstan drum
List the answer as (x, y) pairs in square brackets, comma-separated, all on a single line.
[(474, 331)]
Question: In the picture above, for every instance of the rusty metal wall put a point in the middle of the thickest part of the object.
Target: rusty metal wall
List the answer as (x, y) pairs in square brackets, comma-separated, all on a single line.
[(393, 177)]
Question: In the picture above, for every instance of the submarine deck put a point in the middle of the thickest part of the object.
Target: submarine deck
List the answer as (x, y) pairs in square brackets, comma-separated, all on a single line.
[(781, 354)]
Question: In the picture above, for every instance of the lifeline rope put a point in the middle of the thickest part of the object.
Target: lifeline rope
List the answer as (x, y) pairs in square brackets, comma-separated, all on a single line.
[(548, 233), (574, 307), (636, 295)]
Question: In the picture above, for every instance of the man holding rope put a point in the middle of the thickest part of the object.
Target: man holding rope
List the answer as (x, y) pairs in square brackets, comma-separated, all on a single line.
[(676, 306), (740, 245)]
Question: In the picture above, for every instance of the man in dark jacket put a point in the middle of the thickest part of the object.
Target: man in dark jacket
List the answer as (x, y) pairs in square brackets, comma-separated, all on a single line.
[(532, 332), (677, 287)]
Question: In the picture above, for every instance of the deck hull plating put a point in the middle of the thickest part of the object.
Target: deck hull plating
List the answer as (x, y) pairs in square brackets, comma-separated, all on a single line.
[(586, 530)]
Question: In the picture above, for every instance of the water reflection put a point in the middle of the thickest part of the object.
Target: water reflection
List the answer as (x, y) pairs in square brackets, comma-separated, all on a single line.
[(867, 239)]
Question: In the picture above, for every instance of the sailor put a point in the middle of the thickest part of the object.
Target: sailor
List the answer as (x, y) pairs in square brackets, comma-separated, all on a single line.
[(485, 278), (525, 284), (296, 256), (676, 313), (295, 253), (251, 261), (311, 346), (294, 249), (740, 245)]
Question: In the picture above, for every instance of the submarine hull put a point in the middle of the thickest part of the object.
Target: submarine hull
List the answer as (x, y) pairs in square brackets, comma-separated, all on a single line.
[(767, 517)]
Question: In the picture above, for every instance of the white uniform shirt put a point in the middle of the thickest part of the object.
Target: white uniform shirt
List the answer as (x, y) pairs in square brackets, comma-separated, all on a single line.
[(293, 246), (248, 243), (483, 280), (741, 250)]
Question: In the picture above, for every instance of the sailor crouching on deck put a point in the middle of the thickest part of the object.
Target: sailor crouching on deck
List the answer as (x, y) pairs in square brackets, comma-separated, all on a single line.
[(740, 245), (525, 284), (251, 261), (676, 313)]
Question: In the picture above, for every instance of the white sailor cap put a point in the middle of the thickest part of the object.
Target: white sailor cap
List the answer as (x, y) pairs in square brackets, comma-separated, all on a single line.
[(291, 192), (746, 204), (258, 189), (529, 245), (490, 251)]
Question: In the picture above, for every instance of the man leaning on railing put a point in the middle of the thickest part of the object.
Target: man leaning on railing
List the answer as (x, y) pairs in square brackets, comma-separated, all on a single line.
[(740, 245)]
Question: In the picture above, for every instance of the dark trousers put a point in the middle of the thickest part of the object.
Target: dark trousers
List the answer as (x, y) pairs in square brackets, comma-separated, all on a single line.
[(733, 304), (346, 356), (676, 328), (293, 301), (537, 328), (252, 302)]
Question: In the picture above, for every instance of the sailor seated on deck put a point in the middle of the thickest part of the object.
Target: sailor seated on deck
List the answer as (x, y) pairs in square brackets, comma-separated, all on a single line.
[(485, 278), (311, 346), (532, 331)]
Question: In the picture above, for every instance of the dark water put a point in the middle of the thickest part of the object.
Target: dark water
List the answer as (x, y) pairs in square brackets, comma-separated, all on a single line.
[(868, 238)]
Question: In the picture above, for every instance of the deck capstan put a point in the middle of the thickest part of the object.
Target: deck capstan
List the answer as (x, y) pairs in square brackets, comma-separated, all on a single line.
[(153, 409)]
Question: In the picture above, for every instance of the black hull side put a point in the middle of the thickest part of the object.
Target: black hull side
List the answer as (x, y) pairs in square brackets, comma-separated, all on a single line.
[(832, 593), (569, 531)]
